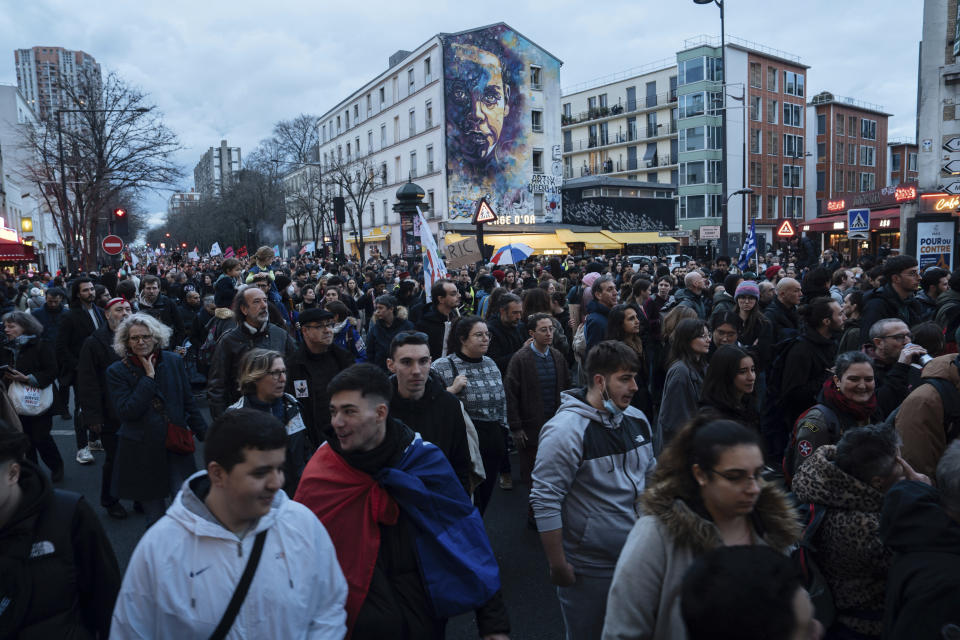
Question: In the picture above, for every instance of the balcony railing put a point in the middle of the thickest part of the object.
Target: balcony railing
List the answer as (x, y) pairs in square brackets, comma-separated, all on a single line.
[(622, 107), (619, 137)]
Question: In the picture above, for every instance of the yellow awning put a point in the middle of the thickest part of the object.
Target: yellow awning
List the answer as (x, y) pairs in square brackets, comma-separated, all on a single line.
[(539, 242), (638, 237), (452, 237), (591, 239), (376, 238)]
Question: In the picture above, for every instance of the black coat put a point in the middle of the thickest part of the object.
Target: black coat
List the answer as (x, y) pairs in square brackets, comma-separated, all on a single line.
[(883, 303), (165, 310), (97, 354), (50, 321), (923, 584), (786, 322), (75, 326), (317, 370), (34, 358), (804, 372), (504, 342), (433, 323), (379, 338), (68, 584)]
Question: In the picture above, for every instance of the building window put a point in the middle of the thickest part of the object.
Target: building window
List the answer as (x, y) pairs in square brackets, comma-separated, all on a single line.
[(692, 173), (430, 158), (385, 209), (356, 114), (369, 105), (792, 177), (714, 140), (772, 147), (792, 145), (383, 96), (851, 181), (538, 161), (429, 114), (396, 168), (603, 100), (369, 141), (772, 175), (895, 162), (592, 104), (852, 126), (348, 151), (411, 83), (346, 118), (755, 202), (714, 171), (793, 83), (912, 162), (383, 180), (852, 154), (432, 203), (792, 115), (771, 111), (691, 105), (756, 174), (838, 153), (838, 180), (413, 164), (756, 108), (772, 79), (839, 125), (793, 206), (338, 125), (535, 78), (755, 73), (821, 124), (755, 141), (867, 156), (692, 139), (691, 70), (821, 180), (867, 182), (396, 88), (692, 207), (536, 120), (868, 129), (538, 204), (412, 123), (567, 110), (821, 150), (427, 75), (771, 207), (396, 129), (383, 136)]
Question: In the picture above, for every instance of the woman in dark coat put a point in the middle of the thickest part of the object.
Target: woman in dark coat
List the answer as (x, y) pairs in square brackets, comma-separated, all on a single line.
[(33, 362), (149, 387), (729, 387)]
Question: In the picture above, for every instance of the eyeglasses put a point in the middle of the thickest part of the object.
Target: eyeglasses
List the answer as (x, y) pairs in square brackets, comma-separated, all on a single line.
[(140, 339), (277, 373), (899, 337), (738, 476)]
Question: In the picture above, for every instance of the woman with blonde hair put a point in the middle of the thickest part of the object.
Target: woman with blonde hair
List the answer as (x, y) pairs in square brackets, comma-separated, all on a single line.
[(158, 416)]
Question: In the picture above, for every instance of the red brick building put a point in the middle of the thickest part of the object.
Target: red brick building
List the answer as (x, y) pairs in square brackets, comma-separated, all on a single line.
[(903, 162)]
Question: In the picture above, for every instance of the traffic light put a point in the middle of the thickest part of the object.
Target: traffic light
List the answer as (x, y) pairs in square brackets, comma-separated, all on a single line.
[(120, 226), (339, 210)]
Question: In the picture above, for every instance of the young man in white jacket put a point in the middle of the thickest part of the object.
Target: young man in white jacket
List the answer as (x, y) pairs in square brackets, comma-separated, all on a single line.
[(186, 568)]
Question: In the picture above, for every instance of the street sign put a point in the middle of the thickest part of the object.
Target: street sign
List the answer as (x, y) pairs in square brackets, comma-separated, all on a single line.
[(953, 187), (484, 213), (676, 233), (953, 144), (786, 230), (858, 224), (112, 245), (952, 167), (710, 232)]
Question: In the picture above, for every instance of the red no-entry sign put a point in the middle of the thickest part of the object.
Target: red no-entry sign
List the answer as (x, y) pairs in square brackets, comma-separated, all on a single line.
[(112, 245)]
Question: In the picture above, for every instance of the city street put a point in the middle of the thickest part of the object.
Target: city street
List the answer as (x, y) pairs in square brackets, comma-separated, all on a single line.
[(531, 600)]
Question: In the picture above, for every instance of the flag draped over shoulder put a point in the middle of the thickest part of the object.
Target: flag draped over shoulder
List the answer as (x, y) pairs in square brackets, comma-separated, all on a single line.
[(433, 267)]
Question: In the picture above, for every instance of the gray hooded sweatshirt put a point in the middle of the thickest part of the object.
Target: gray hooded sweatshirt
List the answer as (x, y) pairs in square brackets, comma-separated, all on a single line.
[(590, 471)]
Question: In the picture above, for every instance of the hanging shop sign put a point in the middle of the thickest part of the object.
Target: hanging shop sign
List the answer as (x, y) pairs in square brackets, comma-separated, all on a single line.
[(939, 203)]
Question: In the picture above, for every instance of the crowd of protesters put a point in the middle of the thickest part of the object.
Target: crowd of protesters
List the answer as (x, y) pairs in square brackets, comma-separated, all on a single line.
[(708, 451)]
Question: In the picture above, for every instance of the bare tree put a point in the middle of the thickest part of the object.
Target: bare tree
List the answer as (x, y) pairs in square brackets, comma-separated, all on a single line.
[(297, 139), (111, 141), (354, 179)]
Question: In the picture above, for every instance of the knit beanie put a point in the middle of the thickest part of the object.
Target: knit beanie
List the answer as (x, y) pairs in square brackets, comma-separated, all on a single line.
[(748, 288)]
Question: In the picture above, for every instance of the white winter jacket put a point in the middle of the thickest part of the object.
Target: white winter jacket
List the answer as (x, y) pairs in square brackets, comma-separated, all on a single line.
[(185, 569)]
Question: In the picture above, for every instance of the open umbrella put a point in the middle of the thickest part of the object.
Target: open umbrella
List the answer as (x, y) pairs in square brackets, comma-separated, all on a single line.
[(511, 253)]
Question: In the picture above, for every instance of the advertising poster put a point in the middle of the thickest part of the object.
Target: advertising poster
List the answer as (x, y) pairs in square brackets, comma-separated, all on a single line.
[(935, 244)]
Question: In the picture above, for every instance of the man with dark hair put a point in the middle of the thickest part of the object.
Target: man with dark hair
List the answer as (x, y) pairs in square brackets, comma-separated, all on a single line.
[(506, 334), (840, 282), (426, 546), (596, 444), (746, 593), (386, 325), (58, 573), (254, 331), (421, 402), (311, 369), (228, 517), (895, 299), (437, 315), (82, 319), (933, 283), (155, 304), (604, 292)]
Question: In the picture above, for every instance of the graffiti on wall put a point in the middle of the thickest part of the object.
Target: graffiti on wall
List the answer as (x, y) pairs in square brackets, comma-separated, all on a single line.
[(490, 138), (620, 214)]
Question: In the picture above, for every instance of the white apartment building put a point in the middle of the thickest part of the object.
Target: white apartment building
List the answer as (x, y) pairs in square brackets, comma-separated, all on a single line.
[(623, 125), (460, 143)]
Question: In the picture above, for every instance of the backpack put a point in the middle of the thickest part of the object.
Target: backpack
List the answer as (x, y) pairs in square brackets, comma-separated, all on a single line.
[(949, 397), (804, 557), (580, 342), (205, 354), (789, 454)]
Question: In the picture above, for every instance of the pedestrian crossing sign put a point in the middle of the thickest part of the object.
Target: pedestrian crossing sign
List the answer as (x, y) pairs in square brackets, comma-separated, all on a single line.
[(858, 224), (484, 213)]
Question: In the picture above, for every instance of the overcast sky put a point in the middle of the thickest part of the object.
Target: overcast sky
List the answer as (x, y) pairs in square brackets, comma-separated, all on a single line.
[(230, 70)]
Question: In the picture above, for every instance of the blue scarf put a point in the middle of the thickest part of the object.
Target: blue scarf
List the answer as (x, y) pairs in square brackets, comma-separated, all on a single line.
[(456, 560)]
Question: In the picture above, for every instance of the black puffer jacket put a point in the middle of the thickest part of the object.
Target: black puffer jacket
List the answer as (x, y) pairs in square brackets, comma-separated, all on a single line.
[(786, 322), (55, 559), (884, 302), (97, 354)]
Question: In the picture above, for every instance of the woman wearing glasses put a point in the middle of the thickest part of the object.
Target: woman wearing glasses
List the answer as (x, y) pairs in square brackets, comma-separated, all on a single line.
[(151, 391), (262, 381), (706, 492), (689, 346), (474, 378)]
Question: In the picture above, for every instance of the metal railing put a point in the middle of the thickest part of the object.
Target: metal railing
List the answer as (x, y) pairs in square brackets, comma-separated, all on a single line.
[(619, 137), (622, 107), (714, 41), (657, 65)]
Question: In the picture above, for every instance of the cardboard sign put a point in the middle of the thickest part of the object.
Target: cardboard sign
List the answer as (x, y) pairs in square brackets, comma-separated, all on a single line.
[(463, 253)]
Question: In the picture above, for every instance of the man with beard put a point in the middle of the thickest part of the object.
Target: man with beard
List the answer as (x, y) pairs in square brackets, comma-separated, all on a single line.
[(254, 331), (478, 103), (155, 304), (96, 407)]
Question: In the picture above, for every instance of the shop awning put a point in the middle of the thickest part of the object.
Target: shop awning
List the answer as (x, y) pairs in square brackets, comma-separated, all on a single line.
[(880, 220), (590, 239), (885, 219), (16, 252), (638, 237), (539, 242), (650, 152), (376, 238)]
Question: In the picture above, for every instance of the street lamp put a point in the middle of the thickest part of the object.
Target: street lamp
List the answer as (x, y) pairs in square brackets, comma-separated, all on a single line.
[(724, 241), (63, 176)]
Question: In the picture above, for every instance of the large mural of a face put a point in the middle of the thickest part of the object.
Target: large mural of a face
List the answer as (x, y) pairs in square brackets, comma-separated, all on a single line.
[(488, 100)]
